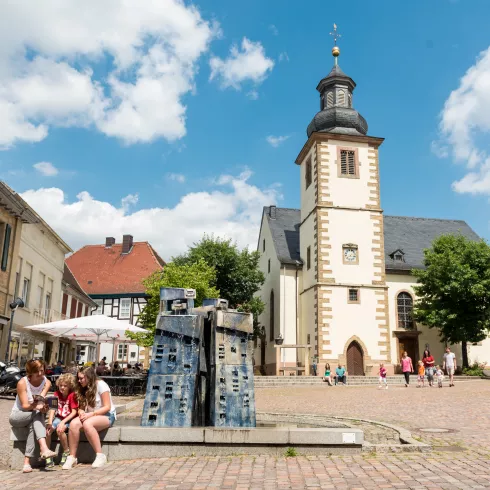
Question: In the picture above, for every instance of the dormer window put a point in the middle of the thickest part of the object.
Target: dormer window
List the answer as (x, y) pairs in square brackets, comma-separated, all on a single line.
[(398, 255)]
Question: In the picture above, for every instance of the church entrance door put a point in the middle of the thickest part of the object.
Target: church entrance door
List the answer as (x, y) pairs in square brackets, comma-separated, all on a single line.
[(355, 360), (411, 345)]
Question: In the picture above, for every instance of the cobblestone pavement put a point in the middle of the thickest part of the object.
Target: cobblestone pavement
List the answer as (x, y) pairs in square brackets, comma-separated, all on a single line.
[(461, 459)]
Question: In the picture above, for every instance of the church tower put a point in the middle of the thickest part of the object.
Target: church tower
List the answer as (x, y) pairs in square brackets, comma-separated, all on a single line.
[(344, 299)]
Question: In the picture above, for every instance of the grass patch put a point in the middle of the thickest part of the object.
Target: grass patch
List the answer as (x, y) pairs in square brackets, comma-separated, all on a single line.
[(291, 452)]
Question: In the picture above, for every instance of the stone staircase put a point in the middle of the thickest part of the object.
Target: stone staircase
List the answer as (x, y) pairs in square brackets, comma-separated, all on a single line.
[(284, 381)]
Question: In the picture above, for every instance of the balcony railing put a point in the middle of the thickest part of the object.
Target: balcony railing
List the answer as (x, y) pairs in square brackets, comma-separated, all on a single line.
[(44, 315)]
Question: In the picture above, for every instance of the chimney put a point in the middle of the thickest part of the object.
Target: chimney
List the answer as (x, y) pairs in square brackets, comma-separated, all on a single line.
[(127, 244), (272, 212), (109, 241)]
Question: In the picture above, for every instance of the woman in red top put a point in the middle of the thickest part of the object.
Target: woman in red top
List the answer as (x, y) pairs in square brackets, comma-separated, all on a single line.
[(429, 363)]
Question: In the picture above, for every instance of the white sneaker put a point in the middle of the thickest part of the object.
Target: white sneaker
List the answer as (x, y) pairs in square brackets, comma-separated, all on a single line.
[(70, 462), (100, 460)]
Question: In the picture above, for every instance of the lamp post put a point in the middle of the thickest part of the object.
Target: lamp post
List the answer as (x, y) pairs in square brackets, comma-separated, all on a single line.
[(13, 306)]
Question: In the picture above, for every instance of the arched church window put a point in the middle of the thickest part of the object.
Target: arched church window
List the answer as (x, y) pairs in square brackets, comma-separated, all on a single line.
[(341, 98), (404, 303), (271, 316), (329, 99)]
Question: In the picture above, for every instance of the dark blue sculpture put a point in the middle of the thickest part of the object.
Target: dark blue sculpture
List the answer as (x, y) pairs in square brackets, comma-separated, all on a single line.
[(201, 371)]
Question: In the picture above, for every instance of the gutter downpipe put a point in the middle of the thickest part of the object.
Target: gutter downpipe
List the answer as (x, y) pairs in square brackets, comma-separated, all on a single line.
[(284, 315)]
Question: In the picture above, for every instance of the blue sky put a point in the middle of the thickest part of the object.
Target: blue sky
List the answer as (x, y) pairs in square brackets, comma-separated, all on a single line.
[(190, 145)]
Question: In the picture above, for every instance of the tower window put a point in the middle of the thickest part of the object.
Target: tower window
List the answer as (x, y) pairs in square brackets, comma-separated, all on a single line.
[(308, 173), (341, 97), (308, 258), (269, 266), (353, 295), (348, 163), (330, 99), (349, 99), (263, 245)]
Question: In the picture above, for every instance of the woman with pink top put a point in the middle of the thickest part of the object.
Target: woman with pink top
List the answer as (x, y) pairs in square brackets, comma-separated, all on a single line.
[(407, 367)]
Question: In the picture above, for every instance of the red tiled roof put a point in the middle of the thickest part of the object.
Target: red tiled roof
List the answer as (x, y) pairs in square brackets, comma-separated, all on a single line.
[(104, 270)]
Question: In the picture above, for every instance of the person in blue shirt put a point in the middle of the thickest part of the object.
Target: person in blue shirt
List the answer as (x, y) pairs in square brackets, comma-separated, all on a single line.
[(58, 368), (340, 376)]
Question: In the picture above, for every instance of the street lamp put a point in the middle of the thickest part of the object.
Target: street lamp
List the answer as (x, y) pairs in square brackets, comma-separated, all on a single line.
[(13, 306)]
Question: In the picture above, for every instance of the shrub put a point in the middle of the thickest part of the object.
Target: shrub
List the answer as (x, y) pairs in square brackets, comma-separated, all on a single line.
[(291, 452), (476, 369)]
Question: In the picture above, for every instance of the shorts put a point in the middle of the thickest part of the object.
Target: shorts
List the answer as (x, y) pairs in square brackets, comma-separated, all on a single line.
[(421, 377), (57, 422), (112, 418), (450, 370), (382, 379)]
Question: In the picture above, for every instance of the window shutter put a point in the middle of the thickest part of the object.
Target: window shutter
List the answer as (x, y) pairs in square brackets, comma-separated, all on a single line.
[(329, 99), (352, 163), (343, 162), (6, 247), (341, 98)]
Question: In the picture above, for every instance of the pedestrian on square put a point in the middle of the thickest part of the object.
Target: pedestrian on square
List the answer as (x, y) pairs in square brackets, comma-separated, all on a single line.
[(421, 375), (407, 367), (340, 375), (96, 413), (382, 376), (429, 364), (450, 365), (328, 375), (314, 365), (30, 409), (440, 376)]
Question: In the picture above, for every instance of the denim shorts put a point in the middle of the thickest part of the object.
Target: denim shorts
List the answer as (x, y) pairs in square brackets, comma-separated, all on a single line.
[(112, 418), (57, 422)]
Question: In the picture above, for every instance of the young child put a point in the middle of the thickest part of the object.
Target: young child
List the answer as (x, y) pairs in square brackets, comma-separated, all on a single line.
[(59, 420), (382, 376), (440, 376), (421, 375)]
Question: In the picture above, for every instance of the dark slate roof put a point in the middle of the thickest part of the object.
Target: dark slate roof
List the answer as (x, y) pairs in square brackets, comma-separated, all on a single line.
[(413, 235), (285, 233), (343, 120), (409, 235)]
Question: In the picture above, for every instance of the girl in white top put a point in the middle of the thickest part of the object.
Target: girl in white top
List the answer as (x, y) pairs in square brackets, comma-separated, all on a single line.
[(29, 411), (96, 413)]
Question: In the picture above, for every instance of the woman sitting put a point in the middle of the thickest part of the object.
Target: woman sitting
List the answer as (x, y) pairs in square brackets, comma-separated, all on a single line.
[(29, 411), (96, 413), (328, 375)]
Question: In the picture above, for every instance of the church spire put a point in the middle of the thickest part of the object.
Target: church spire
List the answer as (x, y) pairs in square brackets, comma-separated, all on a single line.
[(336, 112)]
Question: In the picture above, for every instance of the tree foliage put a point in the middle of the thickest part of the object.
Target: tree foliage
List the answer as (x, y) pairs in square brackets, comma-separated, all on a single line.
[(454, 290), (196, 275), (238, 276)]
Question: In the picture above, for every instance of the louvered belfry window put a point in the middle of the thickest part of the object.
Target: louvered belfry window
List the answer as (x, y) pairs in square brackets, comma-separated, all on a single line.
[(329, 99), (347, 162)]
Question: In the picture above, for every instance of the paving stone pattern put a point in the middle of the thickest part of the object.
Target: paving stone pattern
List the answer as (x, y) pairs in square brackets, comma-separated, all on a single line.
[(460, 461)]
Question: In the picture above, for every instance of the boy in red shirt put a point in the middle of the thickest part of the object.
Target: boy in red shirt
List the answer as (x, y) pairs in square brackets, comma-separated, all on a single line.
[(59, 419)]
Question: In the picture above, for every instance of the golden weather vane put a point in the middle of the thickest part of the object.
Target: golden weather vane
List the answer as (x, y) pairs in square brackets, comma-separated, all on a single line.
[(336, 35)]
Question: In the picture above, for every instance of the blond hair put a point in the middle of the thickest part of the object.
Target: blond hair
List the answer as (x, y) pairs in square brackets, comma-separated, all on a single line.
[(66, 379)]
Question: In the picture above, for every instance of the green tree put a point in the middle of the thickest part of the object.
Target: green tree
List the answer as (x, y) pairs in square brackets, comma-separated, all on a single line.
[(197, 275), (238, 276), (454, 290)]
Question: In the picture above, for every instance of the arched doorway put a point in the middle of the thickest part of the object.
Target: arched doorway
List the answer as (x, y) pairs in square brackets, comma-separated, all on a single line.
[(355, 360)]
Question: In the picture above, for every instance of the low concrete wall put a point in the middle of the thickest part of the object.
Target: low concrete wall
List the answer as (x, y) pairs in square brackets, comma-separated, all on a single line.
[(122, 443)]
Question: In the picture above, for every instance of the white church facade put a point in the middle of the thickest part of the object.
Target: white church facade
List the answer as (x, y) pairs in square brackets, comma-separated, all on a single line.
[(338, 272)]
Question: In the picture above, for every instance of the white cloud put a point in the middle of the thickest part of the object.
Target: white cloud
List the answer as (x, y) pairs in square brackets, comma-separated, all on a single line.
[(465, 124), (250, 63), (129, 200), (46, 168), (274, 30), (253, 95), (283, 56), (50, 52), (275, 141), (439, 150), (176, 178), (233, 210)]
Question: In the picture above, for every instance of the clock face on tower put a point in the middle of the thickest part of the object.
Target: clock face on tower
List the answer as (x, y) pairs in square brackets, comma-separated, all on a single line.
[(350, 254)]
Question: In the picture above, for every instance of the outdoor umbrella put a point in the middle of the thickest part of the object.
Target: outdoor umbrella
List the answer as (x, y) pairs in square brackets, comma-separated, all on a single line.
[(96, 328)]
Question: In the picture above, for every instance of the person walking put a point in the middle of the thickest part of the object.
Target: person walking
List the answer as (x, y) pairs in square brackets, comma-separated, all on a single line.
[(407, 367), (429, 364), (450, 365)]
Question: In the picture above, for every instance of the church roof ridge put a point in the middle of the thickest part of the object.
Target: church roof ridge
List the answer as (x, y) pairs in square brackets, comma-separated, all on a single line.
[(418, 218)]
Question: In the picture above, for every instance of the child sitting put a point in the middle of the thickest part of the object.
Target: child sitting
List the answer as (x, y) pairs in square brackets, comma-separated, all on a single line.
[(440, 376), (67, 410), (421, 375), (382, 376)]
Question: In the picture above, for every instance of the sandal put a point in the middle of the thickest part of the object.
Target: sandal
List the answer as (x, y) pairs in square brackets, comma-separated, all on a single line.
[(27, 468), (48, 454), (63, 458)]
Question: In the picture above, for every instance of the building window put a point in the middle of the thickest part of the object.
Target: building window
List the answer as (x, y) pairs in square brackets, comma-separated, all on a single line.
[(269, 266), (308, 258), (271, 316), (125, 308), (348, 163), (308, 173), (329, 99), (6, 246), (25, 291), (263, 245), (341, 97), (100, 303), (404, 304), (47, 305), (354, 296), (122, 351)]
